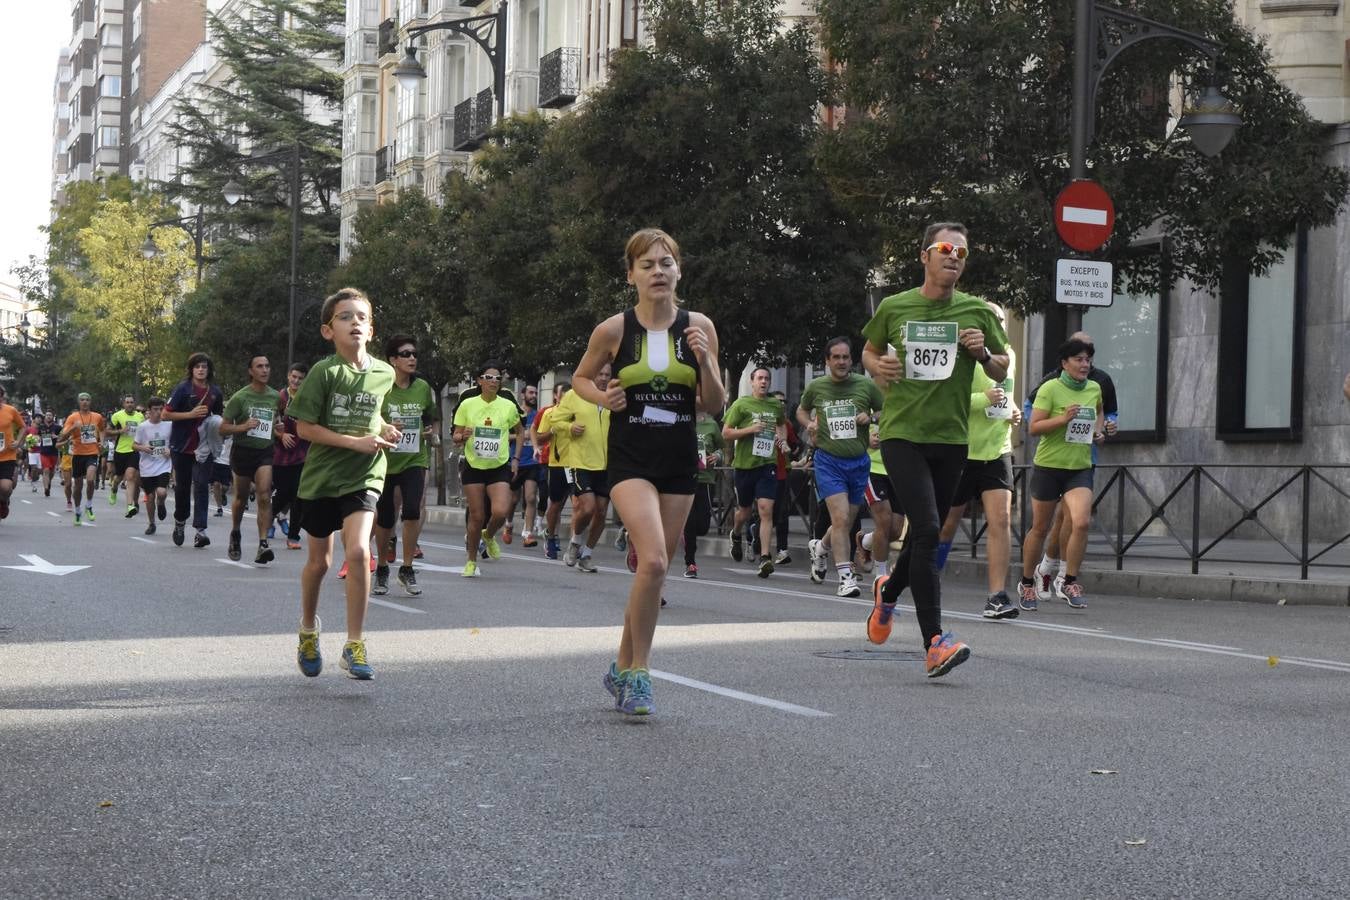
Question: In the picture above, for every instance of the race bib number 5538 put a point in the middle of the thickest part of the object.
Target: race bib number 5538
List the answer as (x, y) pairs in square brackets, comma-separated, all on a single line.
[(1080, 427)]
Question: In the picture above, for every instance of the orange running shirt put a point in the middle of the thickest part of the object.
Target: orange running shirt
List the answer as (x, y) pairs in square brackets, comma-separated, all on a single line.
[(11, 424), (84, 436)]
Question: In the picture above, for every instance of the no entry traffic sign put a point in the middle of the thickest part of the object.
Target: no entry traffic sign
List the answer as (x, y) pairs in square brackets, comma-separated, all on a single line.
[(1084, 215)]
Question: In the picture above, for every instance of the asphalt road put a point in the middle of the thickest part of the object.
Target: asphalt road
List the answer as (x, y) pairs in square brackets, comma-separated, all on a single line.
[(157, 739)]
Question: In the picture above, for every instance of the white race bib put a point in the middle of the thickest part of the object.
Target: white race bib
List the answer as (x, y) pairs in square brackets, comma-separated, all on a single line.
[(3, 443), (158, 447), (762, 446), (1079, 430), (411, 429), (88, 434), (1003, 408), (841, 421), (487, 443), (47, 440), (263, 429), (930, 350)]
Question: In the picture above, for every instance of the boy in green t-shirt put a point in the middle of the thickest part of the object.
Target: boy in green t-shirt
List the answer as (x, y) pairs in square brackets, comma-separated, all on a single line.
[(338, 411), (758, 425)]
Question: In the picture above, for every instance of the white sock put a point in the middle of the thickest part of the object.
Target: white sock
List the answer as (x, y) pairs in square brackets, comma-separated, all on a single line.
[(845, 570), (867, 541), (881, 567), (1063, 568), (1047, 565)]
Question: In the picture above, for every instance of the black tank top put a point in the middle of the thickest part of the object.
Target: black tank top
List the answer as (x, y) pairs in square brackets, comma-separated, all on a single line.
[(655, 434)]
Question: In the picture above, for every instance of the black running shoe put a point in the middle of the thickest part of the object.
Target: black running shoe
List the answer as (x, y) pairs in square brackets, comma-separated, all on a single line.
[(178, 529), (265, 554), (235, 551)]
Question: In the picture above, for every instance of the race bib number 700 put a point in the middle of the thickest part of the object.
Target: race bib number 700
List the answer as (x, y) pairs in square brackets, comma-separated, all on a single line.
[(930, 350)]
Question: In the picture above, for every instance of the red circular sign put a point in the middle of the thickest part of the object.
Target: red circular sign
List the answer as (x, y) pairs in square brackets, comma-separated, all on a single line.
[(1084, 215)]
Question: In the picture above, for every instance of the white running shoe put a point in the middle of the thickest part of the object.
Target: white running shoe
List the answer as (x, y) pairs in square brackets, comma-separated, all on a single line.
[(1043, 582), (1057, 586), (848, 587), (818, 563)]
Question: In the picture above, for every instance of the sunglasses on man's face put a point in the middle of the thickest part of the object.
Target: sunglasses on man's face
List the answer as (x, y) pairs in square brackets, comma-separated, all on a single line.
[(406, 354), (947, 248)]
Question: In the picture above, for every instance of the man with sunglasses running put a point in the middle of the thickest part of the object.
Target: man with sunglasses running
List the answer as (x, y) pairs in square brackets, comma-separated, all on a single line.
[(922, 347)]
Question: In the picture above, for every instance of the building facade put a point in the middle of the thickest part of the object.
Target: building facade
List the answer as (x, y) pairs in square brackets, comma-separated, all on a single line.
[(120, 54)]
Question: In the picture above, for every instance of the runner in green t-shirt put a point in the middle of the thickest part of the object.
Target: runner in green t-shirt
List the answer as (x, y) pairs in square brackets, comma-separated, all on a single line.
[(988, 477), (126, 461), (411, 406), (711, 452), (836, 410), (249, 417), (940, 335), (1067, 416), (338, 411), (484, 426), (758, 425)]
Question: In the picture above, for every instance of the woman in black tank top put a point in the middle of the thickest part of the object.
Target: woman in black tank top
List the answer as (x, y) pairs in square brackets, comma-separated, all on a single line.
[(665, 366)]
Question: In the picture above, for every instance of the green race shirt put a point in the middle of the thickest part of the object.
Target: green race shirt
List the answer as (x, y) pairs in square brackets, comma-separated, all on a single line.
[(709, 436), (345, 399), (930, 403), (489, 424), (1056, 449), (127, 421), (837, 405), (990, 426), (874, 454), (407, 409), (758, 450), (250, 404)]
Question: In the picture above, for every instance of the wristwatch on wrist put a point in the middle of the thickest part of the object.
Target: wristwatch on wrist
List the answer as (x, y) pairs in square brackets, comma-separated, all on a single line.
[(987, 355)]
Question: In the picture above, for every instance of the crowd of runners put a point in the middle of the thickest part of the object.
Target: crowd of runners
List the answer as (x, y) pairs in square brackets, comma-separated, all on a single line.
[(345, 446)]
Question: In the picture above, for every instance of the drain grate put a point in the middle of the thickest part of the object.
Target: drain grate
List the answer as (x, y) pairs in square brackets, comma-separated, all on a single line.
[(876, 655)]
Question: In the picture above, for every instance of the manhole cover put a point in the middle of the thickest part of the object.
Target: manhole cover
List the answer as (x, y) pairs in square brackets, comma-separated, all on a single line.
[(880, 655)]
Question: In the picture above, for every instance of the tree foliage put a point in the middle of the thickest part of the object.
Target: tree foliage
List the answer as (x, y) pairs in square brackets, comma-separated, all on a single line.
[(966, 118), (708, 133)]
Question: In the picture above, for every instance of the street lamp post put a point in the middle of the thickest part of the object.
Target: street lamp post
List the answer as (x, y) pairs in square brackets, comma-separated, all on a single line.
[(488, 32), (1211, 124), (234, 192), (196, 232)]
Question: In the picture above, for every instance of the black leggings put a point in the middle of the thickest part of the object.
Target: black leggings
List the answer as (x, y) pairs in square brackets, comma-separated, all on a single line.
[(696, 526), (925, 477), (285, 485)]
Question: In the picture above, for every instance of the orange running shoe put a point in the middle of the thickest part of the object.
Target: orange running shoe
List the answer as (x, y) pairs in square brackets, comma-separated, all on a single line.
[(945, 653), (508, 534), (879, 619), (342, 572)]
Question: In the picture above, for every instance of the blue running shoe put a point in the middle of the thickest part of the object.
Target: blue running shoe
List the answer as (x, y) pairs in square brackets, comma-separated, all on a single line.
[(636, 697), (552, 547), (613, 682), (271, 532), (354, 661), (308, 656)]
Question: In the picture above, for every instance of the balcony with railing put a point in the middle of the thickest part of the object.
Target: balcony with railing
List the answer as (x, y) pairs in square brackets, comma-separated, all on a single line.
[(473, 118), (559, 77), (384, 163)]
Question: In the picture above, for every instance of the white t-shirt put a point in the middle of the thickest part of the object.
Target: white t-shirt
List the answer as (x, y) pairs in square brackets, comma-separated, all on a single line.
[(156, 462), (223, 457)]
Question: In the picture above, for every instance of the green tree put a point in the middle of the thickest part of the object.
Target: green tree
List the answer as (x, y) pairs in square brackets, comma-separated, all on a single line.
[(709, 133), (283, 58), (403, 257), (967, 118)]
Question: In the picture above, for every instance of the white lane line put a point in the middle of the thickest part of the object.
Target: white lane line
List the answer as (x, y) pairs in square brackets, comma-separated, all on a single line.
[(1195, 644), (28, 502), (50, 513), (755, 574), (428, 567), (1081, 631), (231, 562), (741, 695), (144, 540), (400, 607)]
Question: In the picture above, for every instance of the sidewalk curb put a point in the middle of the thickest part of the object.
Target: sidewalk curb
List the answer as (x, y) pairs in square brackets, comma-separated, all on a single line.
[(1166, 585)]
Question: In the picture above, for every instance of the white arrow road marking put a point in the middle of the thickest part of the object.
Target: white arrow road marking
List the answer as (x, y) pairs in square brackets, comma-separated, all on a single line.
[(428, 567), (29, 502), (1084, 215), (50, 513), (41, 566)]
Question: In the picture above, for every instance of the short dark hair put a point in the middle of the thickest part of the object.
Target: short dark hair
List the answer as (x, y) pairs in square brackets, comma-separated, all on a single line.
[(936, 228), (491, 364), (153, 402), (1073, 347), (391, 346), (197, 358), (765, 368), (254, 355), (836, 341), (332, 300), (300, 367)]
